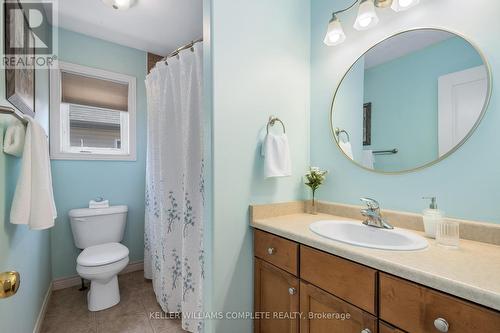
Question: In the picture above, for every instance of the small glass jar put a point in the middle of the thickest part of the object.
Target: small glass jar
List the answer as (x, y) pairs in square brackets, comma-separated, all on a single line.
[(448, 234)]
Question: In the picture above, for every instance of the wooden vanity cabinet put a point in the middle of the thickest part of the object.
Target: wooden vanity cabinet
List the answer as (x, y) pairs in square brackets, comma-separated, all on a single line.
[(297, 281), (277, 289)]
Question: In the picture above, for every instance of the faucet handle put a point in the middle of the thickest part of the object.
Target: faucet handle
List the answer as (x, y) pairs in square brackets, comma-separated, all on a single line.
[(371, 203)]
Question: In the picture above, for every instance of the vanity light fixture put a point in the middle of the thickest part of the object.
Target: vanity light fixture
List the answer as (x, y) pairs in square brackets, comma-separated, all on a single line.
[(366, 19), (335, 34), (119, 4)]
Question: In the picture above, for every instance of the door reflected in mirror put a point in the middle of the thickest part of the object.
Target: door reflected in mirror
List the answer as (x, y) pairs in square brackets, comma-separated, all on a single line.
[(410, 100)]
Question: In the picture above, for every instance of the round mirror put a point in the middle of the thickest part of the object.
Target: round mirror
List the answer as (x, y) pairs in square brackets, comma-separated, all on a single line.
[(411, 100)]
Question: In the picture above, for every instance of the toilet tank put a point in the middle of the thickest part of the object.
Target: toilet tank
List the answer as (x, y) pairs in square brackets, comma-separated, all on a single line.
[(95, 226)]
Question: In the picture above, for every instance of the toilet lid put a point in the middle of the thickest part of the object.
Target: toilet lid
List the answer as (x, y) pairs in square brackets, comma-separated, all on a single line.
[(103, 254)]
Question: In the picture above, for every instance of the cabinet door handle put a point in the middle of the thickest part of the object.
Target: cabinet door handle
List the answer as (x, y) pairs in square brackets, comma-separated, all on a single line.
[(441, 325), (292, 291), (271, 251), (366, 330)]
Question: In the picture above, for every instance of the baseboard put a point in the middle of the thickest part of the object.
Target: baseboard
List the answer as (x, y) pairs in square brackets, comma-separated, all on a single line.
[(133, 267), (73, 281), (43, 310), (66, 282)]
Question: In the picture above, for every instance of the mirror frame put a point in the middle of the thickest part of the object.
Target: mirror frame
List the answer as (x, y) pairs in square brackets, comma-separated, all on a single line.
[(457, 146)]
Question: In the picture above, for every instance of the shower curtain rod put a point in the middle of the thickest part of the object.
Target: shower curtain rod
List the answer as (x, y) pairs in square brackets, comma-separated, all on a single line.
[(184, 47)]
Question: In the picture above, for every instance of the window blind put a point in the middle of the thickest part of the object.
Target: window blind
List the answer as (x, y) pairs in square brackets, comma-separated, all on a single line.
[(91, 91)]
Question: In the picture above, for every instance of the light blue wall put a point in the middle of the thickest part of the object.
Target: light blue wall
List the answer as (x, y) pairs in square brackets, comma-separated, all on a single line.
[(76, 182), (404, 97), (260, 56), (349, 108), (23, 250), (466, 182), (208, 113)]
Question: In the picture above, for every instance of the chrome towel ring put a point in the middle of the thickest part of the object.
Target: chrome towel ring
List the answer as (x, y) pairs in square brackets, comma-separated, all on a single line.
[(272, 121), (339, 131)]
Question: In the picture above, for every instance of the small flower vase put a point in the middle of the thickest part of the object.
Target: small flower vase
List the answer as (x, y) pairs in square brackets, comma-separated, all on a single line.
[(313, 207)]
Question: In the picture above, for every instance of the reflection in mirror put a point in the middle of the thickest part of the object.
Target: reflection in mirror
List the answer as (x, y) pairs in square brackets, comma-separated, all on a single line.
[(410, 100)]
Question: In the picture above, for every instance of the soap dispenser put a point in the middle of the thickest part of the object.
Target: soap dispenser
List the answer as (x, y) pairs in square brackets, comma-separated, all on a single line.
[(432, 217)]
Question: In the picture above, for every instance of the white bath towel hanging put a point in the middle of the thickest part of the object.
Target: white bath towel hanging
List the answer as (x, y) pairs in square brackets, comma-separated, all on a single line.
[(346, 148), (14, 140), (276, 153), (368, 160), (33, 202)]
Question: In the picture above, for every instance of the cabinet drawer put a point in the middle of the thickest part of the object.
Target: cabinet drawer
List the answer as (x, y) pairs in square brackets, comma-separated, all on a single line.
[(277, 251), (414, 308), (325, 313), (352, 282)]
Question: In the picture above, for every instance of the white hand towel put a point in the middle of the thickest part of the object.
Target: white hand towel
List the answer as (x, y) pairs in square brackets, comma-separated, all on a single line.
[(276, 156), (14, 140), (346, 148), (367, 159), (98, 204), (33, 202)]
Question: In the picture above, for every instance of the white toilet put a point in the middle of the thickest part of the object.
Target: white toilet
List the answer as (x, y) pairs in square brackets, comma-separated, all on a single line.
[(99, 233)]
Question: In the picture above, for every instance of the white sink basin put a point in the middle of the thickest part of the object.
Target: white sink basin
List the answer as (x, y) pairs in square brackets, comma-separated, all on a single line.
[(356, 233)]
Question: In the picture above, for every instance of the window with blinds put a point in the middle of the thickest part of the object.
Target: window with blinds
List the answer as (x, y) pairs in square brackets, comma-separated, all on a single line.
[(95, 113)]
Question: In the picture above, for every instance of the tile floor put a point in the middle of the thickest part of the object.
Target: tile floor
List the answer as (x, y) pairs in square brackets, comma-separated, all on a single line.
[(67, 311)]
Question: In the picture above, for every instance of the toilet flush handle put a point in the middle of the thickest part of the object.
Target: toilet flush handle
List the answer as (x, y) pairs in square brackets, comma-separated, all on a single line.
[(81, 219)]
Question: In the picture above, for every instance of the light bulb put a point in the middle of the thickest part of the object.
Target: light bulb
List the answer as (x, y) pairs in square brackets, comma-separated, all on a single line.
[(119, 4), (367, 18), (333, 38), (400, 5), (334, 34), (365, 21)]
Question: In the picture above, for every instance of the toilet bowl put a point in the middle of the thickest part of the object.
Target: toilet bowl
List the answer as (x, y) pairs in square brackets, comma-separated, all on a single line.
[(101, 264), (98, 232)]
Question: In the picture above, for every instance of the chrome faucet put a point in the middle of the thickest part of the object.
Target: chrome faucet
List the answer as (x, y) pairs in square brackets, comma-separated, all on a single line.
[(373, 215)]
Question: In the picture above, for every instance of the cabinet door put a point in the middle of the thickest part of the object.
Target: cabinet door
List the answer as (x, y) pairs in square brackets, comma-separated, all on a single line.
[(386, 328), (276, 300), (325, 313)]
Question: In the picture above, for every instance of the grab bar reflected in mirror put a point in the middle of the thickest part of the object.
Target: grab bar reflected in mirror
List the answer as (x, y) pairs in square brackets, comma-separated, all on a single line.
[(386, 152)]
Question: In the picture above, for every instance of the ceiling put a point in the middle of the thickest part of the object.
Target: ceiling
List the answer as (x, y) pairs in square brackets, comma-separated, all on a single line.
[(156, 26), (404, 44)]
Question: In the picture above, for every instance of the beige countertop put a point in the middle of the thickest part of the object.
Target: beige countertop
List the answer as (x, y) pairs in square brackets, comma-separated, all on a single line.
[(471, 272)]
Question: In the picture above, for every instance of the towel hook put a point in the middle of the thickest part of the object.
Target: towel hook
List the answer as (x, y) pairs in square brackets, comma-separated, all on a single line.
[(272, 121)]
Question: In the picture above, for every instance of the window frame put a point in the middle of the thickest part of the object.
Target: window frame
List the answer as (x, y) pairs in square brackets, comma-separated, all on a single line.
[(59, 127)]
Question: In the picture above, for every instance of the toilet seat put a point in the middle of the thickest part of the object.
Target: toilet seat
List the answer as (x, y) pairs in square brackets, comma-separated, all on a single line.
[(103, 254)]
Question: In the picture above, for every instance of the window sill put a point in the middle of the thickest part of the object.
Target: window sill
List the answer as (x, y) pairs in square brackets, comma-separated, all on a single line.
[(93, 157)]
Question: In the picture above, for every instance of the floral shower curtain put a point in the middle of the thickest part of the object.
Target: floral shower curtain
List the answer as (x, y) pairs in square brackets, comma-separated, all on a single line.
[(173, 237)]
